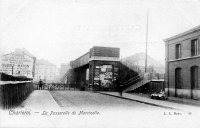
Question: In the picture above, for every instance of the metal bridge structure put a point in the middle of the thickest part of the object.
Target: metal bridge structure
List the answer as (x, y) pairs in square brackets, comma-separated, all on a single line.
[(98, 69), (95, 70)]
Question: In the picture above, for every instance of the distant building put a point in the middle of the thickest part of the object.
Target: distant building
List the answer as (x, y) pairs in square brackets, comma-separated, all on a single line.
[(182, 64), (64, 67), (46, 71), (18, 63)]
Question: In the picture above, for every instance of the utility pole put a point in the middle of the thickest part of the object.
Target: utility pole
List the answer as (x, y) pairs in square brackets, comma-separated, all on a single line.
[(12, 70), (146, 41)]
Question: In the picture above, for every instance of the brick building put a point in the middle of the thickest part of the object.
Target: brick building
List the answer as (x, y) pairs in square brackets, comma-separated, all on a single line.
[(182, 53)]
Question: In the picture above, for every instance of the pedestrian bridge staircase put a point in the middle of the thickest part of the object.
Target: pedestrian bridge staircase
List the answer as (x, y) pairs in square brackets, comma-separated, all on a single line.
[(136, 82)]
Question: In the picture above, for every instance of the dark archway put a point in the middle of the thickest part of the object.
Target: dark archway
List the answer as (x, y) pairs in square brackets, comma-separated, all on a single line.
[(177, 80)]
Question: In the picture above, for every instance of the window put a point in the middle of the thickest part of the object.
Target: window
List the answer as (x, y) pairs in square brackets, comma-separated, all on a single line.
[(194, 47), (178, 51), (194, 77)]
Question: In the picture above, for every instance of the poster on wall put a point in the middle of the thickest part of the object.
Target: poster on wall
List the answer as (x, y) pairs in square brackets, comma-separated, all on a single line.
[(96, 73), (106, 75), (17, 64)]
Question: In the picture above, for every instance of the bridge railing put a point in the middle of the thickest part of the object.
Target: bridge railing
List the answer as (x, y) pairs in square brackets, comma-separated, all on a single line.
[(133, 80), (13, 90), (137, 81)]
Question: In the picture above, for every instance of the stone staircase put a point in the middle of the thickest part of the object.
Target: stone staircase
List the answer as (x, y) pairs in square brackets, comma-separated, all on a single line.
[(144, 79)]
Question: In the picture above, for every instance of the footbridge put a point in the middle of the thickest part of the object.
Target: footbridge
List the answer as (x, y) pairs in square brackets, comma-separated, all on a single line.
[(98, 70), (95, 70)]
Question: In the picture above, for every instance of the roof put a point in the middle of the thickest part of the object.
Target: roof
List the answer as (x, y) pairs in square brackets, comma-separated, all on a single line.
[(184, 33), (21, 51), (103, 47)]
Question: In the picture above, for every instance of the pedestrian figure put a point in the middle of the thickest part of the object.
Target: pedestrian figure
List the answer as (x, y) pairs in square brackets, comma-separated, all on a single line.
[(40, 84), (121, 89)]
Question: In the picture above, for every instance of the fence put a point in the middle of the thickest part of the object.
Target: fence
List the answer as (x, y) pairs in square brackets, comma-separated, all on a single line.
[(56, 86), (14, 90)]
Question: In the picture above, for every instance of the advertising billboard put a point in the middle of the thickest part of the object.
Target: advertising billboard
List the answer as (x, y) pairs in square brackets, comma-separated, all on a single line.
[(17, 64)]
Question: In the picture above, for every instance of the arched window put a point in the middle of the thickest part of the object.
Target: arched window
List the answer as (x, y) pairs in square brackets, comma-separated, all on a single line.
[(178, 78), (194, 77), (178, 51)]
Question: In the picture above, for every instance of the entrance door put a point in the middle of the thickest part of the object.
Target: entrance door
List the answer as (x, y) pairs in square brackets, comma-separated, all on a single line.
[(194, 79), (177, 80)]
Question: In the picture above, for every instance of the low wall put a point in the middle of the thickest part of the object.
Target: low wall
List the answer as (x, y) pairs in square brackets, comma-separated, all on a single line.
[(14, 90), (14, 93)]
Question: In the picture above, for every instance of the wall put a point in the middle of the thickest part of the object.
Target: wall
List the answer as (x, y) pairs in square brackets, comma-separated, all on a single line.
[(185, 45), (13, 90), (18, 64), (185, 66)]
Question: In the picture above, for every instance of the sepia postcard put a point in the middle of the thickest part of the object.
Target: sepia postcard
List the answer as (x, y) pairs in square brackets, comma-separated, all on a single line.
[(99, 63)]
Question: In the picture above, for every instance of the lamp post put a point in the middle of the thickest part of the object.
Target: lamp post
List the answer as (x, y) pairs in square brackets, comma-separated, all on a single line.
[(146, 41)]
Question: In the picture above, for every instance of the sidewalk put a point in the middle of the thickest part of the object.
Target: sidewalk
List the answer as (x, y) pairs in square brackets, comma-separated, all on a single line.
[(33, 106), (172, 103), (40, 100), (184, 101), (175, 100)]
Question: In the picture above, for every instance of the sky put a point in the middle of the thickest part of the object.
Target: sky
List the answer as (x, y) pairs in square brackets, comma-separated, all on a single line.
[(62, 30)]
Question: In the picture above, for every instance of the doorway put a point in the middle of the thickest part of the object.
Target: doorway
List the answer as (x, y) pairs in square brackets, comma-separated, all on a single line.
[(177, 80), (194, 79)]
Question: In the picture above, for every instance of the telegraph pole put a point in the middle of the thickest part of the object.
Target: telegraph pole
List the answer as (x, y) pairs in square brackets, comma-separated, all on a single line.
[(146, 41), (12, 70)]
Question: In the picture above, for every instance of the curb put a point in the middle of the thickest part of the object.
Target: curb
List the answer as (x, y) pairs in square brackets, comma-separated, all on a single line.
[(157, 105), (183, 102)]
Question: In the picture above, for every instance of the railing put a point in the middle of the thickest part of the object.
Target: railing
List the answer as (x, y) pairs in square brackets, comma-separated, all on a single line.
[(13, 93), (133, 80), (56, 86), (134, 83)]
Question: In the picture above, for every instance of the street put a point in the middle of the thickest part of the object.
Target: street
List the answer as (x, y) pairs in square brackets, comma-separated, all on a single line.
[(117, 112), (90, 109), (84, 99)]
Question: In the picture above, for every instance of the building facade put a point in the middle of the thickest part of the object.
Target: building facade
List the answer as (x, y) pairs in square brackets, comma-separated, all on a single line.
[(18, 63), (182, 53), (46, 71)]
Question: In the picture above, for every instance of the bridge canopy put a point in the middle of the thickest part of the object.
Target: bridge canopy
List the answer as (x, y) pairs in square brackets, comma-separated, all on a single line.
[(82, 60), (97, 53)]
